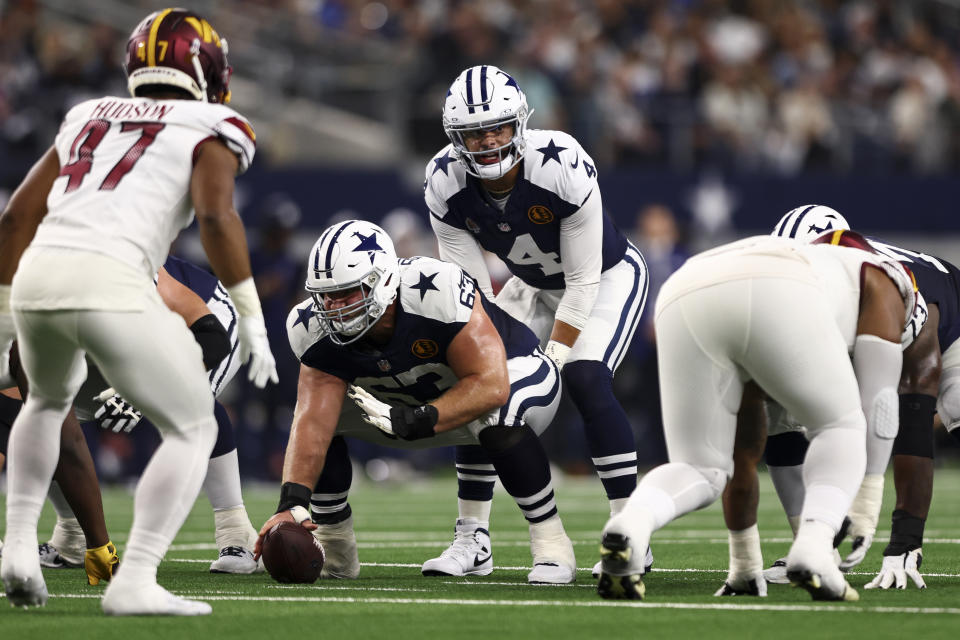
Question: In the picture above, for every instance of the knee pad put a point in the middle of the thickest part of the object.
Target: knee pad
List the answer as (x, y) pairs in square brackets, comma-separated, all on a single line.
[(497, 439), (948, 399), (915, 437), (716, 478), (786, 449)]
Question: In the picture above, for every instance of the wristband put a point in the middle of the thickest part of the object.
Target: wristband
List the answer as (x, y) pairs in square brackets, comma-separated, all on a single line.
[(213, 340), (906, 533), (245, 298), (414, 423), (294, 495)]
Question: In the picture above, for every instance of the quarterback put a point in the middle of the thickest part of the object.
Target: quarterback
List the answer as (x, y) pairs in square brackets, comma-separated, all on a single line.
[(531, 197)]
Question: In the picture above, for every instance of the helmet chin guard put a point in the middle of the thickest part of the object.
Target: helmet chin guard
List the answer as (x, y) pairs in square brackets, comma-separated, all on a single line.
[(352, 256), (480, 99)]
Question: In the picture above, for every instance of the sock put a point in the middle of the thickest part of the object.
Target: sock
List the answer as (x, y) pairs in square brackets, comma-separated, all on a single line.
[(34, 449), (165, 494), (233, 528), (523, 468), (788, 482), (222, 483), (617, 505), (608, 431), (225, 438), (328, 504), (832, 473)]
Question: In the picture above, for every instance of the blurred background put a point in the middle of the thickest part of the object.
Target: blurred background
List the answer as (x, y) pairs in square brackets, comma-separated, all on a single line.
[(708, 120)]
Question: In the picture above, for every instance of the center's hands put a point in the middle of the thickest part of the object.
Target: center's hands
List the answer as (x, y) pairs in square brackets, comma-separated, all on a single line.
[(297, 514)]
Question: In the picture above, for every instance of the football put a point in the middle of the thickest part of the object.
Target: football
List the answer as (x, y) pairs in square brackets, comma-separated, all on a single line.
[(291, 554)]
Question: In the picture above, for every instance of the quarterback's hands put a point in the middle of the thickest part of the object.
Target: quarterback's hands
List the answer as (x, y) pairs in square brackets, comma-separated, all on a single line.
[(896, 570), (116, 413), (406, 423), (297, 514), (744, 585), (558, 352), (100, 563), (255, 351)]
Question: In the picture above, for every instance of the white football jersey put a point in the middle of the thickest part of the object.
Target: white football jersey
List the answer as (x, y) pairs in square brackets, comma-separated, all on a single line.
[(125, 169)]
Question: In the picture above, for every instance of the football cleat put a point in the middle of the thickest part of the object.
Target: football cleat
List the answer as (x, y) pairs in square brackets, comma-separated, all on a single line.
[(236, 560), (470, 553), (22, 578), (816, 570), (777, 573), (340, 547), (553, 558), (615, 583), (647, 564), (127, 598), (751, 584), (51, 559)]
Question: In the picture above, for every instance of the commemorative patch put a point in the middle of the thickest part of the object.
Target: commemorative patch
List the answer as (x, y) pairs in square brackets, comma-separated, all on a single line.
[(425, 348)]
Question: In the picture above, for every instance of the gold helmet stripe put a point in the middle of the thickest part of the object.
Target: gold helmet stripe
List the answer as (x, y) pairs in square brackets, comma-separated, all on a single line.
[(835, 238), (152, 40)]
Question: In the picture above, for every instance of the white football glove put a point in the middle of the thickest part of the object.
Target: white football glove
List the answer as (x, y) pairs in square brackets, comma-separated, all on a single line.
[(864, 514), (896, 570), (558, 352), (116, 413), (752, 584), (374, 412), (8, 334), (255, 351), (861, 544)]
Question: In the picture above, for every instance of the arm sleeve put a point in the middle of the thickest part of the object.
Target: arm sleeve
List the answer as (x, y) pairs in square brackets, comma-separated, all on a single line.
[(581, 239), (458, 246)]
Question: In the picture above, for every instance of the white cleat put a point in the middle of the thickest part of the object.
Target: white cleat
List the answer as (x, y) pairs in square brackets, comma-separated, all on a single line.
[(236, 560), (22, 577), (122, 598), (777, 573), (647, 565), (340, 547), (51, 558), (470, 553), (816, 570), (553, 558)]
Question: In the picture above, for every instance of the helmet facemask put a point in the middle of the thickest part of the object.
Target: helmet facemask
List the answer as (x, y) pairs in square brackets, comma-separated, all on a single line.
[(509, 154)]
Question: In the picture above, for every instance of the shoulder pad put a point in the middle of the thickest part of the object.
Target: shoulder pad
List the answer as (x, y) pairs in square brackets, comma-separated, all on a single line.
[(555, 161), (436, 290), (444, 176), (231, 128), (303, 328)]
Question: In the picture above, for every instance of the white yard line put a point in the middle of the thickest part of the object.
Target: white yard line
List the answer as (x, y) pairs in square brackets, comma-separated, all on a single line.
[(837, 608)]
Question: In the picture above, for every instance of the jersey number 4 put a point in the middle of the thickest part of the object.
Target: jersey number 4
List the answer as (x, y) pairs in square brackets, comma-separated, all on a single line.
[(92, 134)]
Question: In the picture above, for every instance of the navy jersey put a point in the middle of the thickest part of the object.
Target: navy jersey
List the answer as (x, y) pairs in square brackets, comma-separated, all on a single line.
[(939, 283), (434, 302), (202, 283), (556, 178)]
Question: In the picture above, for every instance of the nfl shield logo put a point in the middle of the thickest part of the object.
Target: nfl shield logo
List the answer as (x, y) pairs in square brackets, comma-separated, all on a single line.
[(384, 365), (503, 226), (473, 226)]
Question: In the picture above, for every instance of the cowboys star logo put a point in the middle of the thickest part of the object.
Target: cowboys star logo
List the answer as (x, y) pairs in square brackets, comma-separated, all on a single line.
[(425, 348), (539, 214)]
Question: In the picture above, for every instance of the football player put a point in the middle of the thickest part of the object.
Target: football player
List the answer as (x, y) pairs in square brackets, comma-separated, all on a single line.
[(531, 197), (99, 211), (205, 306), (930, 383), (783, 316), (428, 362)]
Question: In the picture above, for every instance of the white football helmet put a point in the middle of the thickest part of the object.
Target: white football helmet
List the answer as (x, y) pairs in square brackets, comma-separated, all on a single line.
[(809, 221), (482, 98), (349, 255)]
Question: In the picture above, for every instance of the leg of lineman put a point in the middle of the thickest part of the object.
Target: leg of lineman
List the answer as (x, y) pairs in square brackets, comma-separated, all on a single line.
[(331, 512), (182, 409), (818, 386), (235, 536)]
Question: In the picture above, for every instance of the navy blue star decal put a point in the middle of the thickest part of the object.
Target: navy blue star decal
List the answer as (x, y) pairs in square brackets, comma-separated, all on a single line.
[(511, 82), (425, 284), (551, 152), (814, 228), (440, 164), (367, 243), (303, 316)]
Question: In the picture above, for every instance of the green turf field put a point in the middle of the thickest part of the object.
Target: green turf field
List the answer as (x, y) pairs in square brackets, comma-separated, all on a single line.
[(399, 527)]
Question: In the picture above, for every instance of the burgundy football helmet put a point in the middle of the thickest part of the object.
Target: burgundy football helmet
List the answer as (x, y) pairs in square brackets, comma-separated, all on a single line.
[(178, 48)]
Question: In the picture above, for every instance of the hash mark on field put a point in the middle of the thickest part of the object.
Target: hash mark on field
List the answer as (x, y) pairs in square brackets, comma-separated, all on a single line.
[(837, 608)]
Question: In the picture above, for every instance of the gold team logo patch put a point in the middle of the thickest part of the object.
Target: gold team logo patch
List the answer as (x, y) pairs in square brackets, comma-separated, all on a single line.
[(425, 348), (539, 214)]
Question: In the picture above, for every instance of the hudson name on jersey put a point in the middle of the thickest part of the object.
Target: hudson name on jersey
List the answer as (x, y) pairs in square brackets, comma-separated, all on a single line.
[(125, 169), (556, 178), (434, 302)]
